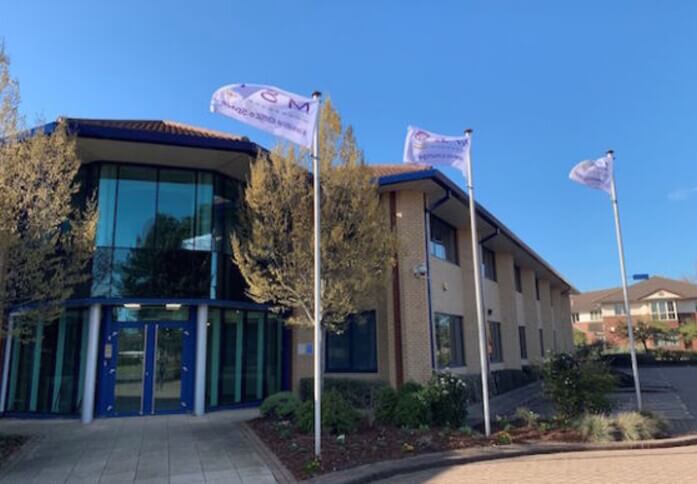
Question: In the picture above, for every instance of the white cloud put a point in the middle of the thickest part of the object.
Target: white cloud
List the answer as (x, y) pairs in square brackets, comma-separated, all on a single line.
[(682, 194)]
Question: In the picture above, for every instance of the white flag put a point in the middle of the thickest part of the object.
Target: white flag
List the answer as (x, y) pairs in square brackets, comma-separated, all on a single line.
[(270, 109), (422, 146), (594, 173)]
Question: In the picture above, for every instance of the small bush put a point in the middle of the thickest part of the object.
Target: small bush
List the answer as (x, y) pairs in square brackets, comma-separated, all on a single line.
[(305, 417), (385, 405), (338, 416), (595, 428), (638, 426), (412, 410), (503, 438), (281, 405), (446, 395), (526, 417), (577, 383)]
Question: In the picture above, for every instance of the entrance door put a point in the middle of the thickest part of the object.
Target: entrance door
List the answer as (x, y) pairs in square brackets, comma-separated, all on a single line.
[(150, 371)]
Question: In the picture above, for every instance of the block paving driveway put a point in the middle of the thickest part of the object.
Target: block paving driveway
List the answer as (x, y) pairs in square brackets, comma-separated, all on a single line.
[(161, 449), (674, 466)]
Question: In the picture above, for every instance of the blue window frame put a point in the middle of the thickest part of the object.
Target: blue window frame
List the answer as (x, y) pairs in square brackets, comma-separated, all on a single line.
[(353, 350)]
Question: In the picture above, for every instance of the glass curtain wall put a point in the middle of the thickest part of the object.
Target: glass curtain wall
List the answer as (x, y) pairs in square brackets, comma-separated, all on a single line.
[(165, 232), (47, 365), (244, 356)]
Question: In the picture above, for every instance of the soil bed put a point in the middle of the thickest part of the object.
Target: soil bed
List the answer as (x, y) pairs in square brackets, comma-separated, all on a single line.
[(9, 444), (372, 444)]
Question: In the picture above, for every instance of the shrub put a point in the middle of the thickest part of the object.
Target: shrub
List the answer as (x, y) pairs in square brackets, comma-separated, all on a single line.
[(338, 416), (504, 438), (577, 383), (359, 393), (446, 396), (412, 410), (385, 404), (280, 405), (409, 387), (638, 426), (595, 428), (526, 417)]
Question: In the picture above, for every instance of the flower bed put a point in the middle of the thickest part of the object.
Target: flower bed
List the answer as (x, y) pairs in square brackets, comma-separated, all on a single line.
[(370, 444)]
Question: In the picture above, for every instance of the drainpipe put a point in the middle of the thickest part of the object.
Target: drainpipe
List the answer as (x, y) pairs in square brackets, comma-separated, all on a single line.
[(91, 363), (6, 363), (200, 380)]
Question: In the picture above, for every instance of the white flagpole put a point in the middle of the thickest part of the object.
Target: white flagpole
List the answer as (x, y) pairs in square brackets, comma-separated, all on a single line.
[(317, 353), (627, 309), (478, 293)]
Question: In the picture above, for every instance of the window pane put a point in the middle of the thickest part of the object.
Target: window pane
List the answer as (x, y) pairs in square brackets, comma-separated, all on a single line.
[(232, 334), (47, 366), (204, 212), (363, 342), (443, 240), (522, 340), (449, 341), (135, 211), (489, 260), (495, 348), (355, 347), (339, 350), (106, 205), (254, 356), (175, 209)]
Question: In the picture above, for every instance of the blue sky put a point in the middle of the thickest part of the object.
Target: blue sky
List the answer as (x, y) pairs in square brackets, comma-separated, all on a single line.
[(544, 84)]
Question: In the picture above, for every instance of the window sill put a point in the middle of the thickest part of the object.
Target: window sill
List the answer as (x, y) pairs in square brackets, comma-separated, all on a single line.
[(440, 259)]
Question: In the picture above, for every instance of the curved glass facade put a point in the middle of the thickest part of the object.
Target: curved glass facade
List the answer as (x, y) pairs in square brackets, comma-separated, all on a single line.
[(47, 365), (165, 232)]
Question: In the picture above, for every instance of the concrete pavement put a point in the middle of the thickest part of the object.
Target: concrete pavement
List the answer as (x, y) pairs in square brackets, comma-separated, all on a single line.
[(158, 450)]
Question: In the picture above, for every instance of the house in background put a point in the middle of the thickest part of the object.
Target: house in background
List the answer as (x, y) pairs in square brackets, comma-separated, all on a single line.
[(599, 314), (164, 324)]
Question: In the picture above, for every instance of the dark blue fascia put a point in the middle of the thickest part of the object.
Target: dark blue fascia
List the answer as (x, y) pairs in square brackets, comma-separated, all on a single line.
[(110, 301), (145, 136)]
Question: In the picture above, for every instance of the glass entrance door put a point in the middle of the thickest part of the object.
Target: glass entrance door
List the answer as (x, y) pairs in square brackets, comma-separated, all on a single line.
[(169, 369), (151, 368)]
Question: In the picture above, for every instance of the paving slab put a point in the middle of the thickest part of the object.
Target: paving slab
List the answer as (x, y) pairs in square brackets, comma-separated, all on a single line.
[(158, 449)]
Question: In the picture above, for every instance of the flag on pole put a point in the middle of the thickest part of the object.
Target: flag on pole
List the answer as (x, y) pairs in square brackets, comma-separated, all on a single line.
[(594, 173), (422, 146), (270, 109)]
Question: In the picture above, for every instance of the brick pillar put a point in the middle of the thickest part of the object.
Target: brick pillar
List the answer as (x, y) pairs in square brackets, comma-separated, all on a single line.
[(470, 331), (411, 237), (509, 325), (530, 314), (547, 320)]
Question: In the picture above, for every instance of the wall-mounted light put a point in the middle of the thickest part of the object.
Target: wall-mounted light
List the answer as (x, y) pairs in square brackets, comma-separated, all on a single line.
[(132, 306), (173, 307), (420, 270)]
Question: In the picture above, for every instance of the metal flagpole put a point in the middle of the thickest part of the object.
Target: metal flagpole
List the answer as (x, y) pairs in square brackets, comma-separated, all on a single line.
[(478, 293), (627, 309), (317, 290)]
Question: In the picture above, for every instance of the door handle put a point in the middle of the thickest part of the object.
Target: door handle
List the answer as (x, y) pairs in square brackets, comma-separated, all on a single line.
[(184, 368)]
